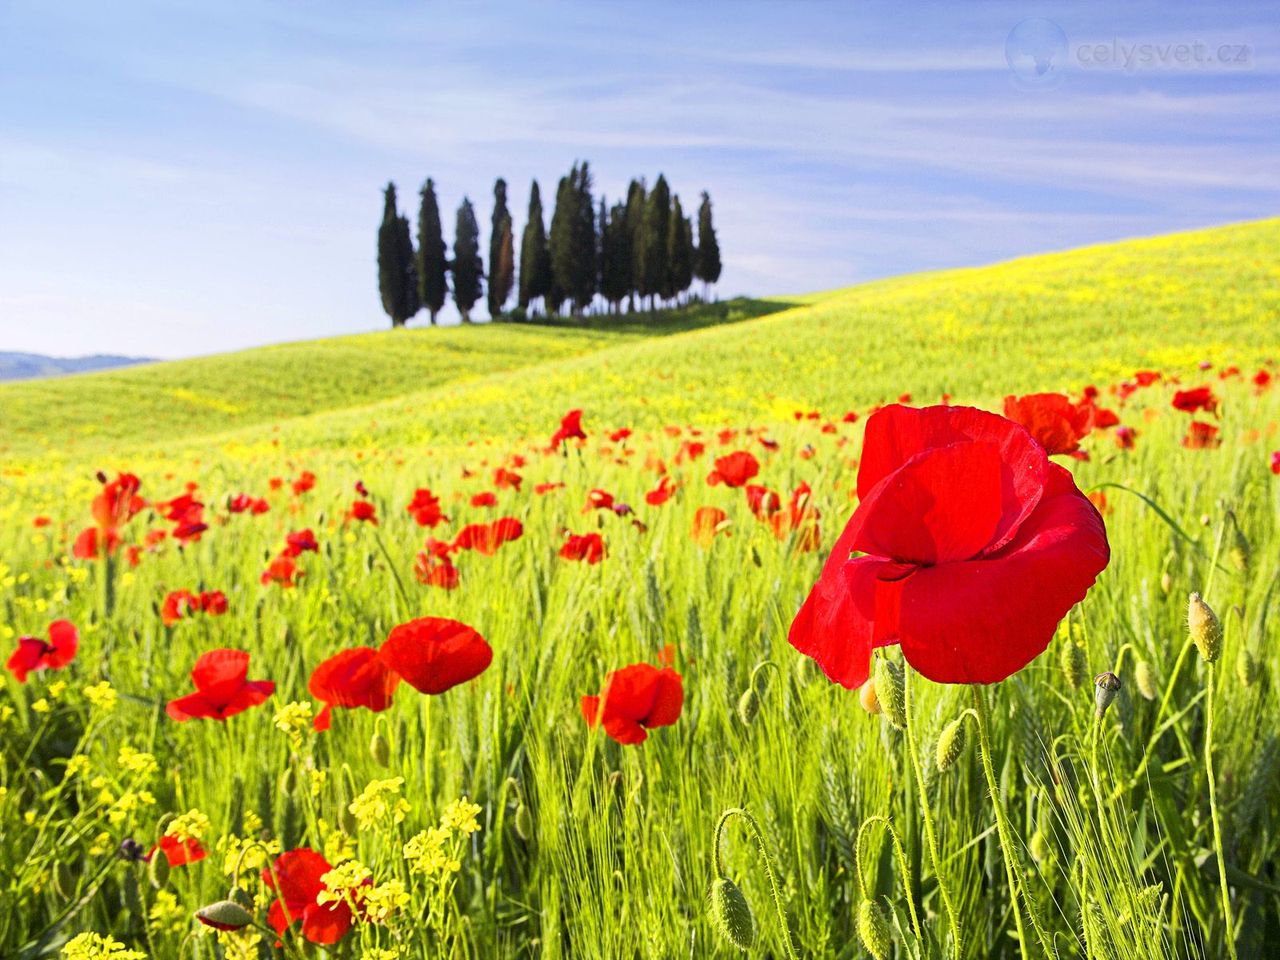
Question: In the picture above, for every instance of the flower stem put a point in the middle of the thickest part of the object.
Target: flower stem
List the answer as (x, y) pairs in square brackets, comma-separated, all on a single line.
[(1012, 864), (1217, 825), (904, 868), (774, 889), (926, 816)]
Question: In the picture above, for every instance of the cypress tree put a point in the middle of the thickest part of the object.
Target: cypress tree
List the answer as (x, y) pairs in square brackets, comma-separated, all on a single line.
[(615, 255), (652, 262), (535, 257), (679, 251), (395, 262), (586, 253), (468, 270), (502, 267), (634, 220), (431, 260), (561, 240), (707, 262)]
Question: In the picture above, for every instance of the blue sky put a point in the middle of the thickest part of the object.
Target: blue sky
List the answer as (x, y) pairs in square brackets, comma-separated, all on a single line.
[(180, 178)]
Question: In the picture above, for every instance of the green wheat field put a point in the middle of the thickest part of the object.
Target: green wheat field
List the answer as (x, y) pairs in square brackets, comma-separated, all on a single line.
[(568, 844)]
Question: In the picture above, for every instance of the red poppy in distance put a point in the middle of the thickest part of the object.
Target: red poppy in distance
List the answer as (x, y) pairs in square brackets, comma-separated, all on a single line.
[(635, 700), (363, 511), (1201, 436), (222, 688), (707, 522), (425, 507), (35, 654), (434, 654), (350, 679), (570, 429), (179, 852), (1190, 401), (298, 873), (976, 546), (588, 547), (1057, 424), (734, 470), (486, 538)]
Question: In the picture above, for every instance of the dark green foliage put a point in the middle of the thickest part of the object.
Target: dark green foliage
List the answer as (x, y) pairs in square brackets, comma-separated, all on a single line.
[(635, 237), (468, 270), (651, 265), (396, 281), (615, 255), (573, 239), (431, 260), (707, 263), (502, 266), (679, 252), (535, 257)]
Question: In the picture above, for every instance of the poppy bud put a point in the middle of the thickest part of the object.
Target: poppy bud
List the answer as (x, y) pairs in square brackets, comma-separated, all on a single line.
[(224, 915), (380, 750), (755, 556), (1144, 680), (1166, 582), (158, 870), (873, 929), (1205, 629), (1105, 687), (890, 693), (1246, 667), (950, 744), (131, 850), (867, 696), (347, 822), (1075, 664), (1039, 847), (288, 781), (524, 822), (731, 914), (240, 895), (64, 880), (748, 706)]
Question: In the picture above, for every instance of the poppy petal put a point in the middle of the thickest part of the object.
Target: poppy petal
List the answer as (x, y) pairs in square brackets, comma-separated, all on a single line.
[(433, 654)]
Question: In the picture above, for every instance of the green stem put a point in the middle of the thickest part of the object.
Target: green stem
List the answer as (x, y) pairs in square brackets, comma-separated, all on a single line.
[(1157, 730), (903, 867), (926, 816), (1012, 865), (395, 573), (1217, 825), (774, 888)]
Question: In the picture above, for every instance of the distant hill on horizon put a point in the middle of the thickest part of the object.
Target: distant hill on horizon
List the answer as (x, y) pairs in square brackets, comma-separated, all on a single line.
[(29, 366)]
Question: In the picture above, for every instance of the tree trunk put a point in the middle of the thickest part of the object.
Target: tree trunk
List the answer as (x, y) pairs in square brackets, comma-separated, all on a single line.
[(433, 318)]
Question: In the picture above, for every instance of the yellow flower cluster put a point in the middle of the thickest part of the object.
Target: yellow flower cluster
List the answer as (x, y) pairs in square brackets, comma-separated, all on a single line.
[(294, 719), (167, 915), (102, 696), (343, 882), (379, 801), (91, 946), (381, 901), (256, 852), (137, 762), (461, 815), (430, 854), (192, 825)]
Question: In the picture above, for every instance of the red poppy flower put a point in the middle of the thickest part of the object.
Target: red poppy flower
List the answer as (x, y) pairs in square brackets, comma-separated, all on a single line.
[(305, 481), (41, 521), (1057, 424), (118, 502), (1275, 462), (570, 429), (707, 522), (35, 654), (92, 543), (177, 605), (762, 501), (486, 499), (544, 488), (1125, 437), (588, 547), (298, 873), (486, 538), (976, 546), (505, 479), (298, 542), (222, 688), (1145, 378), (213, 602), (619, 435), (1261, 380), (282, 570), (425, 507), (179, 852), (598, 499), (734, 470), (1190, 401), (363, 511), (661, 493), (350, 679), (799, 518), (690, 450), (1201, 436), (436, 571), (635, 700), (433, 654)]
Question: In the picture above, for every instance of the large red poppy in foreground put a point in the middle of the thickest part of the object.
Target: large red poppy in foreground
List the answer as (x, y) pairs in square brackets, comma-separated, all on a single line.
[(349, 679), (433, 654), (975, 544), (222, 688), (636, 699)]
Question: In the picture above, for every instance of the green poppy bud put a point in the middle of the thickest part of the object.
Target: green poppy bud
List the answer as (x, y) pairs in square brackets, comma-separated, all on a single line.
[(873, 929), (731, 914), (1205, 629), (890, 691), (524, 822), (241, 896), (64, 880), (380, 750), (1247, 667), (748, 706), (158, 870), (1145, 680), (224, 915), (1105, 687), (950, 744)]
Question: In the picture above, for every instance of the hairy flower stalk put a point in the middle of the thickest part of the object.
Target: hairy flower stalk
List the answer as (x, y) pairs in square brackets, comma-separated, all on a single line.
[(729, 909), (904, 867)]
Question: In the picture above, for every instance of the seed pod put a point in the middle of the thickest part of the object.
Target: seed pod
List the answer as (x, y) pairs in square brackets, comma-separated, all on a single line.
[(1105, 687), (867, 696), (158, 870), (950, 743), (524, 822), (1247, 667), (748, 706), (224, 915), (1144, 680), (380, 750), (1075, 664), (890, 692), (731, 914), (1205, 629), (873, 929)]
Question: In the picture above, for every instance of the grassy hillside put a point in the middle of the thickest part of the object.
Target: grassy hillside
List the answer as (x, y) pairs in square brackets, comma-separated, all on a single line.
[(181, 399)]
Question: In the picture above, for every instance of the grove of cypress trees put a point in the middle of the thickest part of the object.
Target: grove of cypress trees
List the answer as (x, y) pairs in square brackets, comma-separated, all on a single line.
[(432, 261), (396, 280), (535, 257), (707, 262), (466, 266), (652, 261), (502, 267)]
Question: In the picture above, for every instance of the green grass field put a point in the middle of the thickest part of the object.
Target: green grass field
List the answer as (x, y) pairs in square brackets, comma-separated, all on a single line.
[(591, 849)]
